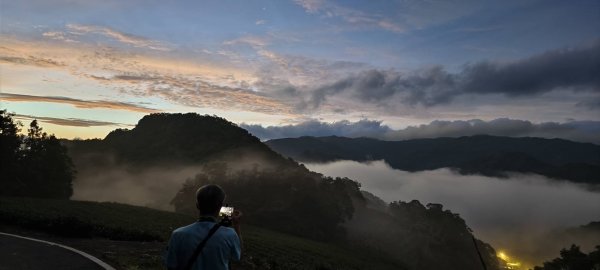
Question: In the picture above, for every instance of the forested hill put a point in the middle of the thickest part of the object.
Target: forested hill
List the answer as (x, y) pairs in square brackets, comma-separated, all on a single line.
[(222, 153), (482, 154), (173, 138)]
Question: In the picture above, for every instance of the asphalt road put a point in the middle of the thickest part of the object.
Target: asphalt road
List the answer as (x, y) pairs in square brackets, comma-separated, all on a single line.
[(22, 254)]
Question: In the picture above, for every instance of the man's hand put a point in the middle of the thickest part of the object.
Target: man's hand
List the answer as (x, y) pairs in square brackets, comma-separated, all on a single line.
[(236, 217)]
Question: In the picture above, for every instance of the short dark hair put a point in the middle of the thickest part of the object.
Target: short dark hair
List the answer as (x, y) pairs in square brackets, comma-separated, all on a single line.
[(209, 199)]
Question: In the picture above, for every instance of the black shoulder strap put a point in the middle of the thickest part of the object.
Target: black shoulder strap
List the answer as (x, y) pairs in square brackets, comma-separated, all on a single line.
[(201, 246)]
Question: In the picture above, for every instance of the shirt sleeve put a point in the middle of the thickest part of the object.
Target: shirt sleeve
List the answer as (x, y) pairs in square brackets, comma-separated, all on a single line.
[(236, 247), (171, 257)]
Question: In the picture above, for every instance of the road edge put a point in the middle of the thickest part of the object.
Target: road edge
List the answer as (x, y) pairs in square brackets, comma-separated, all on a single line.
[(86, 255)]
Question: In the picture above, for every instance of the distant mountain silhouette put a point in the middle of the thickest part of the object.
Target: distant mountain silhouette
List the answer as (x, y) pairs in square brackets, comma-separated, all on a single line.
[(481, 154)]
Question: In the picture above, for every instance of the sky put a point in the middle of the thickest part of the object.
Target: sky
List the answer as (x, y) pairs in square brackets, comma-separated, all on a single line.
[(84, 68)]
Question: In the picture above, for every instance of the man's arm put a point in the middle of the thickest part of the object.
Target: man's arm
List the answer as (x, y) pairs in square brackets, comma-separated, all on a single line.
[(236, 220)]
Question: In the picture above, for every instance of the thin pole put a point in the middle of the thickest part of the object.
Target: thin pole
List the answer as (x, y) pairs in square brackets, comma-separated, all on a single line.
[(478, 253)]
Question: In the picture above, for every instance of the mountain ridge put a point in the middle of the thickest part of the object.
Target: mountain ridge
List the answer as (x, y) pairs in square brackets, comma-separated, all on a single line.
[(479, 154)]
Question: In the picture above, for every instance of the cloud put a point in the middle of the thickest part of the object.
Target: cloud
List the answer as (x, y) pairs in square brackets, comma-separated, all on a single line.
[(593, 104), (295, 69), (260, 22), (73, 122), (582, 131), (566, 68), (198, 92), (178, 81), (253, 41), (133, 40), (126, 77), (84, 104), (349, 15), (478, 29), (317, 128), (311, 6), (300, 71), (427, 87), (58, 35), (30, 61), (574, 69)]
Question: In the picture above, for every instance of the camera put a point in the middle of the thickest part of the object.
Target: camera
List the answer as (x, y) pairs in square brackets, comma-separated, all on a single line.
[(225, 214)]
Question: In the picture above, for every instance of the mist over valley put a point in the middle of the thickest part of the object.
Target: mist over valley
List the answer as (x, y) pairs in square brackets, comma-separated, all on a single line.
[(525, 214)]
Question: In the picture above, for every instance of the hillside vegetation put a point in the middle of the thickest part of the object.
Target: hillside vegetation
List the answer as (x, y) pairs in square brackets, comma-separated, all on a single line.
[(573, 259), (264, 249), (170, 139), (482, 154), (275, 192), (91, 219)]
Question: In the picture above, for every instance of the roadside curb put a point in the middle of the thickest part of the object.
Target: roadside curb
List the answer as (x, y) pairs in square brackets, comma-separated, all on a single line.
[(86, 255)]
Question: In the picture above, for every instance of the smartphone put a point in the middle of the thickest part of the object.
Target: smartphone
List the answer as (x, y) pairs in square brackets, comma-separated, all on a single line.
[(226, 211)]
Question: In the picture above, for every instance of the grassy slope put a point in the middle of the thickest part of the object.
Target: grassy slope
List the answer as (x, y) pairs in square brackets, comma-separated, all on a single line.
[(264, 249)]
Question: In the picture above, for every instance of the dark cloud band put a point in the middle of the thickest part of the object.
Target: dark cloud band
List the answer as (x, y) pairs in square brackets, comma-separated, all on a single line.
[(316, 128), (79, 103), (582, 131), (574, 69), (73, 122)]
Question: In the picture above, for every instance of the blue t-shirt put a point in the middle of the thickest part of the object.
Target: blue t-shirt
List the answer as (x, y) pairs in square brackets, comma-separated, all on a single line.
[(223, 246)]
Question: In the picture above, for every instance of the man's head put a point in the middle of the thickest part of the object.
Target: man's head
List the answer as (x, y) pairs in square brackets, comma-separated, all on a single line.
[(209, 200)]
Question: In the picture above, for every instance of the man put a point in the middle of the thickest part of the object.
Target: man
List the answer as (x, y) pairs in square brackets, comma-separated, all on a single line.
[(224, 245)]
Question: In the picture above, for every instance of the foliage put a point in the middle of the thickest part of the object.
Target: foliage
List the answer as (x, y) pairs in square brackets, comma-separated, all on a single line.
[(163, 137), (267, 249), (89, 219), (288, 199), (10, 141), (419, 237), (445, 234), (35, 165), (573, 259), (263, 249)]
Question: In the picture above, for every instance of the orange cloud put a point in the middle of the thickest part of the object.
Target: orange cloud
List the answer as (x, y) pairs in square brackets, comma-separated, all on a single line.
[(168, 77), (31, 60)]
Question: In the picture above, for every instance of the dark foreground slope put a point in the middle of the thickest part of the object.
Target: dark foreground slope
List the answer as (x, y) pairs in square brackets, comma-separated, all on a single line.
[(274, 192), (486, 155), (100, 228)]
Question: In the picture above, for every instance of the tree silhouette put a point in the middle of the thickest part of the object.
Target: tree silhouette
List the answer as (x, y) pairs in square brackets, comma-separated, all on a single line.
[(286, 198), (35, 165), (574, 259), (10, 141)]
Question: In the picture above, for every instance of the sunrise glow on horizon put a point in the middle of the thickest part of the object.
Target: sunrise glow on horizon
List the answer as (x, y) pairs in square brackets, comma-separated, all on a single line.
[(86, 68)]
